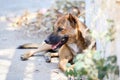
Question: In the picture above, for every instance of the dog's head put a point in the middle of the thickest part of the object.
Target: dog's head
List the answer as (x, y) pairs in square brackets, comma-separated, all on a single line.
[(65, 31)]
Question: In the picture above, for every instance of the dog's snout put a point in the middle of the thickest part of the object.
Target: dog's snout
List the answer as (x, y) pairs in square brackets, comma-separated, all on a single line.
[(53, 39)]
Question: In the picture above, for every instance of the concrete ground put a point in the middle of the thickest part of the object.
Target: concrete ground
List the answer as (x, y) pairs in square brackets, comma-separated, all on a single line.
[(11, 67)]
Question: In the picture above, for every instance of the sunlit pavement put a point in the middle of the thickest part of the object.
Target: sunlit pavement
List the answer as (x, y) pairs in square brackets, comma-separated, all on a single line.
[(12, 68)]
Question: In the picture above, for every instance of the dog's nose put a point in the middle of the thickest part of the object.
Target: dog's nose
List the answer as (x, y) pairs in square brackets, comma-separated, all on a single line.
[(46, 41)]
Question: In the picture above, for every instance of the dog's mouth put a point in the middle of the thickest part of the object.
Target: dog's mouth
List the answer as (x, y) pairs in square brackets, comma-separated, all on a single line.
[(56, 46), (57, 42), (60, 43)]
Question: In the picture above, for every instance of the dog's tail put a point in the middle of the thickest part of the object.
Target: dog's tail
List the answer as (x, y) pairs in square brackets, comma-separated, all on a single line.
[(29, 46)]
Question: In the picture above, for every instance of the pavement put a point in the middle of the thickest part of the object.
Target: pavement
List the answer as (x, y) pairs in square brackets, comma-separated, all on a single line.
[(11, 67)]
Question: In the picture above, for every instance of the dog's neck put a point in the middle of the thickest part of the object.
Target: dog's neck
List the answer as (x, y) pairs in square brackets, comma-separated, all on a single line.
[(79, 45), (74, 48)]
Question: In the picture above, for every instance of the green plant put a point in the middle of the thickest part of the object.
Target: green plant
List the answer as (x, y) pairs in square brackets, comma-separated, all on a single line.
[(91, 67)]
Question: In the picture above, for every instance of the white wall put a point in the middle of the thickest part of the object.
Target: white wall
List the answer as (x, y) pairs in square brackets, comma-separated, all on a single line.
[(97, 13)]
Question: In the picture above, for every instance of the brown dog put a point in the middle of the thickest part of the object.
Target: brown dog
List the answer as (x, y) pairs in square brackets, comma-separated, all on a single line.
[(71, 37)]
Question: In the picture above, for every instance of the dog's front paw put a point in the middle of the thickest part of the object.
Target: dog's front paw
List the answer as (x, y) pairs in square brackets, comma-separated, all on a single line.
[(48, 59), (25, 56)]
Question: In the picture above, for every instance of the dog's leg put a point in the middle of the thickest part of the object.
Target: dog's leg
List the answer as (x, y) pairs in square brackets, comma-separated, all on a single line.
[(54, 54), (43, 47), (65, 55)]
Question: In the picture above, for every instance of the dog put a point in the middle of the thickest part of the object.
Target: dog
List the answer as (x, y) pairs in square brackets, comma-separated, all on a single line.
[(70, 37)]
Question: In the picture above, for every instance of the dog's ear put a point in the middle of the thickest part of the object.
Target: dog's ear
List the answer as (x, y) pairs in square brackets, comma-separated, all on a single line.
[(72, 20)]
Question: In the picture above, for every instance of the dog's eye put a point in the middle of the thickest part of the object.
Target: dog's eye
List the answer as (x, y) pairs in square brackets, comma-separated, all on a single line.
[(59, 29), (63, 39)]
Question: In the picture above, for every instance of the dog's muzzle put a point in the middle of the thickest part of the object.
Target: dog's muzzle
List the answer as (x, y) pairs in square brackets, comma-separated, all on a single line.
[(56, 41)]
